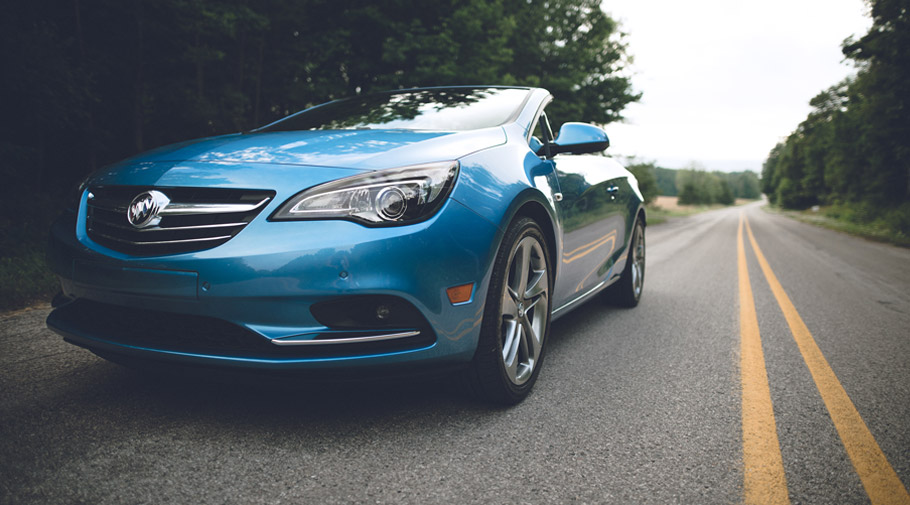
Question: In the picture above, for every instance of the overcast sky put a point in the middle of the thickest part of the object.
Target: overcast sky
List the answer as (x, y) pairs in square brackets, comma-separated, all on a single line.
[(725, 80)]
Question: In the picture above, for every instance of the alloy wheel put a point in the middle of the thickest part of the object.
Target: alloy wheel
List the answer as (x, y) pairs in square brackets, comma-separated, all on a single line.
[(524, 310)]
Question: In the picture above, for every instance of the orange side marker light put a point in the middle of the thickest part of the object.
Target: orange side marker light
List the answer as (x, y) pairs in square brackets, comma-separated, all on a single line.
[(460, 294)]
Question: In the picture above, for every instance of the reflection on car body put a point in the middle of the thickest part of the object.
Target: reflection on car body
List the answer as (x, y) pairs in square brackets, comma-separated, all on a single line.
[(435, 228)]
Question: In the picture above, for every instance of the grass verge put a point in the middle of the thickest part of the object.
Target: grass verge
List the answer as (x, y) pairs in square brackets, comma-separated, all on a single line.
[(24, 275), (25, 280), (658, 214), (667, 207), (882, 225)]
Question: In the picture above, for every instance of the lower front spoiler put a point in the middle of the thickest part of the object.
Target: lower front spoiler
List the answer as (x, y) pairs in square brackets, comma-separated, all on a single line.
[(265, 371), (197, 341)]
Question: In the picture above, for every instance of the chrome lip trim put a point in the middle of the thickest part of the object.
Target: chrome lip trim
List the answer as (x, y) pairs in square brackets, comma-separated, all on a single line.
[(169, 228), (162, 242), (350, 340), (189, 209)]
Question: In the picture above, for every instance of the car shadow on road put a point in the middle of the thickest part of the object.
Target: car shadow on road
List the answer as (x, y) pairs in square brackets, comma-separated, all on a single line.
[(285, 400)]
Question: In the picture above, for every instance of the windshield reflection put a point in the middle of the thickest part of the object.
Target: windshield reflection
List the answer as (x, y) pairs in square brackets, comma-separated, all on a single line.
[(440, 109)]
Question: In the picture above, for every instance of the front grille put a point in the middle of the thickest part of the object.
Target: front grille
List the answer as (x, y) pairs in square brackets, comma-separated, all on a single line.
[(189, 333), (194, 219)]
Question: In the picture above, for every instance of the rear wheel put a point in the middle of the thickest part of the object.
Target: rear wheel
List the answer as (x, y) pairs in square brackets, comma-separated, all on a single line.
[(516, 317), (627, 291)]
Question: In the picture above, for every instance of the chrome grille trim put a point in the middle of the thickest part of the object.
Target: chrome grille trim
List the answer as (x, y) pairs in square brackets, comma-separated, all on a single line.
[(169, 228), (191, 219), (189, 209), (162, 242)]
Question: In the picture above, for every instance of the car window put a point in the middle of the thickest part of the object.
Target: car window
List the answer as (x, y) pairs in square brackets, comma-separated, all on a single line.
[(443, 109), (544, 130), (543, 134)]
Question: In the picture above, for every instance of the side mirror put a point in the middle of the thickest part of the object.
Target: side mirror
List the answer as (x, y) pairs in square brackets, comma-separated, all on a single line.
[(579, 138)]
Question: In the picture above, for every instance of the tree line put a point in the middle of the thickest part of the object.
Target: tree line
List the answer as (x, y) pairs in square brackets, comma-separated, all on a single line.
[(853, 149), (695, 186), (90, 82)]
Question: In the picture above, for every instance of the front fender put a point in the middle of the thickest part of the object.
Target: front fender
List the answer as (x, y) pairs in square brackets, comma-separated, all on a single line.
[(504, 183)]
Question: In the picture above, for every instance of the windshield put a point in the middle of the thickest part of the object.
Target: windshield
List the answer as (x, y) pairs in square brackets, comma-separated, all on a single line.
[(442, 109)]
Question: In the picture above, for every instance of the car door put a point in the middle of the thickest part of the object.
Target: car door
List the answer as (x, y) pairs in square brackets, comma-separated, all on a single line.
[(593, 209)]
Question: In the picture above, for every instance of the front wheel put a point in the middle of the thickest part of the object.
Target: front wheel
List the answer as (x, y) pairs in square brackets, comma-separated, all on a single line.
[(516, 317)]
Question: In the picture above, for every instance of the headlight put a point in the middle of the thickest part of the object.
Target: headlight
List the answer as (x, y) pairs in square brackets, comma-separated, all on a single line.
[(382, 198)]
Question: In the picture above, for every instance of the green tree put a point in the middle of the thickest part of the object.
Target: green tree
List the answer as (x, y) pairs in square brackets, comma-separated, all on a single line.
[(573, 49), (883, 56), (666, 181), (852, 148), (769, 170), (647, 182), (744, 184), (700, 187), (696, 186), (725, 194)]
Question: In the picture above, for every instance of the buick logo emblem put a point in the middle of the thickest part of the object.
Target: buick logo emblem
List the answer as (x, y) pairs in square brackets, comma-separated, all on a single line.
[(143, 210)]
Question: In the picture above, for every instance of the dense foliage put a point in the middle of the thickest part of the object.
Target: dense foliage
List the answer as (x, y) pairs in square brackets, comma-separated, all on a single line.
[(853, 150), (90, 82)]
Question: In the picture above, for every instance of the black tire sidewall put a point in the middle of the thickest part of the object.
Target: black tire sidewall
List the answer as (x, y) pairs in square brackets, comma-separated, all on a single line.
[(491, 379), (626, 295)]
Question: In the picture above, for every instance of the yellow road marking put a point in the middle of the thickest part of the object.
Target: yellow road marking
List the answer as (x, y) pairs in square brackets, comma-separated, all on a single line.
[(878, 477), (765, 481)]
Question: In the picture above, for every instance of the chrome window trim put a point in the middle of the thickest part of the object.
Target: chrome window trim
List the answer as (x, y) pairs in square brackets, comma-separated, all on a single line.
[(533, 125)]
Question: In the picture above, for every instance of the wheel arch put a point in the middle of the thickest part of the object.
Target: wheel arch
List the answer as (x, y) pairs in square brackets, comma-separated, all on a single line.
[(534, 206), (642, 216)]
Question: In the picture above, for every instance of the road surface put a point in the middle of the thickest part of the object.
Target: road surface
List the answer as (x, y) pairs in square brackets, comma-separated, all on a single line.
[(644, 405)]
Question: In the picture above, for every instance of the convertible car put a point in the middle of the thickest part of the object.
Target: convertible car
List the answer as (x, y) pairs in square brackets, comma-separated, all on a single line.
[(434, 229)]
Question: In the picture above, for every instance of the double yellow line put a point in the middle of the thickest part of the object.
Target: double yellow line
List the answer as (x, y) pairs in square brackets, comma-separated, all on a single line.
[(765, 481)]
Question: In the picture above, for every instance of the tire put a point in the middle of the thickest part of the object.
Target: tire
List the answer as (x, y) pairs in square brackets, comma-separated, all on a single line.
[(516, 318), (628, 289)]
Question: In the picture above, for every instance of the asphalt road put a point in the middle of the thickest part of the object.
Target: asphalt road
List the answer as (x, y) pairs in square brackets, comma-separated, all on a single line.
[(637, 405)]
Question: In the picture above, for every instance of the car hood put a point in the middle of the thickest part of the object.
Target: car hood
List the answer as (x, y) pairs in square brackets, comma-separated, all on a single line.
[(300, 157), (363, 149)]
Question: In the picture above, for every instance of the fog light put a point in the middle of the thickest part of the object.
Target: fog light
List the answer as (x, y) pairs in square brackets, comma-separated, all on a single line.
[(369, 312), (460, 294)]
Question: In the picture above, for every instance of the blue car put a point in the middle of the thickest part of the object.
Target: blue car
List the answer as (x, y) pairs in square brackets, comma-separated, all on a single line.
[(434, 229)]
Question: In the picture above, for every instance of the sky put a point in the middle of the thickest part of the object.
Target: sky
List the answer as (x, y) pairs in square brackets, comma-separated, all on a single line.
[(724, 80)]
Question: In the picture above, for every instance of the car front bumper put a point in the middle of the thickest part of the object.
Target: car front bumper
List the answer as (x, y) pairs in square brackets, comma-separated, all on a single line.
[(260, 286)]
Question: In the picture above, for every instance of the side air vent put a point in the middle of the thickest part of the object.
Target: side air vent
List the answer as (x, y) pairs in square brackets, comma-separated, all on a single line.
[(145, 221)]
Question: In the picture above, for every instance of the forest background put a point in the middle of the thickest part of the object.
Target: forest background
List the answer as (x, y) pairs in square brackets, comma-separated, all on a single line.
[(850, 158), (87, 83)]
